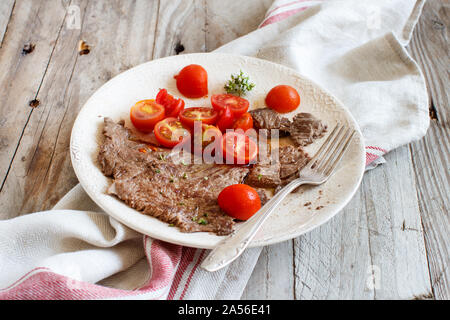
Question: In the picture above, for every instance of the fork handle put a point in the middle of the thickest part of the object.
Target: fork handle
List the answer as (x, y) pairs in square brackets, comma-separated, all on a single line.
[(232, 247)]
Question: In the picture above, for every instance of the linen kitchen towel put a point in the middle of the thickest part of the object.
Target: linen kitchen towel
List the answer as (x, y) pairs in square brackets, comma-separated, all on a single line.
[(354, 49)]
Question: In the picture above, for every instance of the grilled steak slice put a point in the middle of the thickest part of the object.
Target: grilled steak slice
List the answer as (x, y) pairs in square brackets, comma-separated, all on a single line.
[(268, 119), (292, 159), (263, 195), (305, 128), (265, 174), (276, 174), (183, 195)]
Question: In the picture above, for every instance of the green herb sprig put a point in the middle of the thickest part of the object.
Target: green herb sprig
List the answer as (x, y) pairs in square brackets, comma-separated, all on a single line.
[(239, 84)]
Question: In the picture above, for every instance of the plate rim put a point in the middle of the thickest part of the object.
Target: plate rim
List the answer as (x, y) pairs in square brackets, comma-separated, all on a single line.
[(199, 244)]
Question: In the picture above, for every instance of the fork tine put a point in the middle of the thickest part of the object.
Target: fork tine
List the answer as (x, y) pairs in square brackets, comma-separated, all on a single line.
[(332, 150), (329, 147), (331, 137), (339, 153)]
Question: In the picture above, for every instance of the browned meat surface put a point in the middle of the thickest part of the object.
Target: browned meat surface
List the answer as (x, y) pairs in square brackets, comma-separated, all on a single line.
[(305, 128), (183, 195), (264, 195), (276, 174), (268, 119), (264, 174), (292, 159)]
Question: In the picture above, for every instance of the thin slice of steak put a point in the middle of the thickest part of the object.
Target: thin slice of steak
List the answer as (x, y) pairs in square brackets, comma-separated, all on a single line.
[(264, 174), (184, 195), (305, 129), (267, 119), (292, 159)]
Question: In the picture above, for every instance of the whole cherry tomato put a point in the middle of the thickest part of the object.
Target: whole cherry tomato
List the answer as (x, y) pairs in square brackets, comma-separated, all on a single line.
[(192, 81), (239, 201), (283, 99)]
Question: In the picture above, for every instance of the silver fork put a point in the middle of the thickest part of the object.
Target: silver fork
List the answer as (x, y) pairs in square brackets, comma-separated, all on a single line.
[(316, 172)]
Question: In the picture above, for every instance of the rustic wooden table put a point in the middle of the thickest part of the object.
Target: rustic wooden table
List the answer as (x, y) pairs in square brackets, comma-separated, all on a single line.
[(391, 242)]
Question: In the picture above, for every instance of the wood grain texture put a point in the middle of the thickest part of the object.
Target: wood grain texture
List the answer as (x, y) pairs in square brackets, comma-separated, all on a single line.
[(397, 222), (121, 35), (335, 260), (332, 261), (273, 275), (35, 166), (431, 155), (6, 8), (379, 231), (181, 28), (228, 20), (21, 75)]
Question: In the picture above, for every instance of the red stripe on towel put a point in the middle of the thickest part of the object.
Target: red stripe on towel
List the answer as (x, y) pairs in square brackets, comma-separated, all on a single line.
[(376, 148), (188, 256), (200, 258), (281, 16), (283, 5)]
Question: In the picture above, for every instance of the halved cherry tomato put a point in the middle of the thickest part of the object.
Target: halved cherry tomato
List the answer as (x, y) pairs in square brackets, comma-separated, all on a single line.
[(145, 114), (244, 122), (205, 136), (238, 148), (237, 105), (162, 96), (210, 134), (192, 81), (239, 201), (226, 119), (172, 106), (283, 99), (205, 115), (170, 132)]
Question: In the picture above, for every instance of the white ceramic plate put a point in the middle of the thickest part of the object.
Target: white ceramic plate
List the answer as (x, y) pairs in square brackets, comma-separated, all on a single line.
[(293, 218)]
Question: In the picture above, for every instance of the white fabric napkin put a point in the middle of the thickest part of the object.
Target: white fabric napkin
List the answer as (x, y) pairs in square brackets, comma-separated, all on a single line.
[(354, 49)]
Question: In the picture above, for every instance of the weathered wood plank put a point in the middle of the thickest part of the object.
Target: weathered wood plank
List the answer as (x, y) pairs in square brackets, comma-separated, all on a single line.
[(355, 286), (379, 230), (430, 156), (121, 35), (330, 262), (41, 171), (273, 277), (228, 20), (37, 22), (181, 28), (200, 25), (6, 7)]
